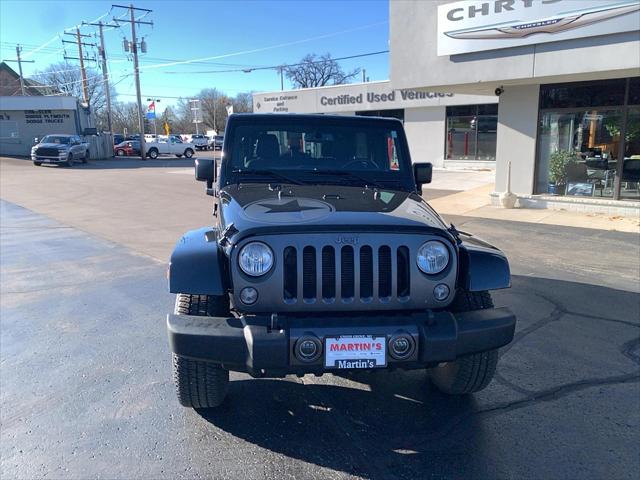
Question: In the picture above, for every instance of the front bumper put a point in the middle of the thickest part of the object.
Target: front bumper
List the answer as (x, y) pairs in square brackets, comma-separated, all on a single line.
[(49, 159), (264, 346)]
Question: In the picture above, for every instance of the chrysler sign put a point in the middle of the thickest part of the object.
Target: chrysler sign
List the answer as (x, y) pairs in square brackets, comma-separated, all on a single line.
[(475, 25)]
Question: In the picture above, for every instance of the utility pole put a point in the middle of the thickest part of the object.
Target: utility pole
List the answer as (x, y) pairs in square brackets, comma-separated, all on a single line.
[(364, 75), (281, 72), (83, 72), (105, 73), (136, 69), (20, 62)]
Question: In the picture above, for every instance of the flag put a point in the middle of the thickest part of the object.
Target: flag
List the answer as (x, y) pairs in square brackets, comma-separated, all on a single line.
[(151, 111), (167, 128), (229, 109)]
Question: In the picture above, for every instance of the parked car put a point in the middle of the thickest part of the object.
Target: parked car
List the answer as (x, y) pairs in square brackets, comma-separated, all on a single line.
[(218, 141), (173, 146), (127, 148), (324, 258), (199, 141), (118, 138), (61, 149)]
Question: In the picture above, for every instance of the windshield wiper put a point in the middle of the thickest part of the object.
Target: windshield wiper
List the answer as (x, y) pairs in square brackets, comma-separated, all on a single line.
[(269, 173), (347, 173)]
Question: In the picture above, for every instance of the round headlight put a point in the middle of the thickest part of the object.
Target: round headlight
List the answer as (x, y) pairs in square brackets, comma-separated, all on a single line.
[(433, 257), (255, 259)]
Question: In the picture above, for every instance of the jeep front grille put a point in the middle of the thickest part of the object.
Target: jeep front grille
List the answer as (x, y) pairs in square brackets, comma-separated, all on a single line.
[(346, 273)]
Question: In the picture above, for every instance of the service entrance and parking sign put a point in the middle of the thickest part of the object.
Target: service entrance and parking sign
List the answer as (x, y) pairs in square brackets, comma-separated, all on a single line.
[(355, 351)]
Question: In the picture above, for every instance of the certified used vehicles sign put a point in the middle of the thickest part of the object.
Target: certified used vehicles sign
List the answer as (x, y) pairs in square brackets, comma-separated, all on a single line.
[(355, 351)]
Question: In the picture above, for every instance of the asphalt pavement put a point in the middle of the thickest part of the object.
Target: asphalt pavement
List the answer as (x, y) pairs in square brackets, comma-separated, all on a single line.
[(85, 373)]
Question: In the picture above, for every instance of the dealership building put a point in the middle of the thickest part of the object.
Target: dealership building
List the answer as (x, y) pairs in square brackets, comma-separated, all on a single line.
[(566, 78)]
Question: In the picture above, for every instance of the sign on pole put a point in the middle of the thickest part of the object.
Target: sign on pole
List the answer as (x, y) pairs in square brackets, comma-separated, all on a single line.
[(151, 111)]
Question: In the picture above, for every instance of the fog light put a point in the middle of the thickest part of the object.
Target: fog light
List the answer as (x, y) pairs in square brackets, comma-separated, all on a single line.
[(308, 348), (441, 291), (248, 295), (401, 346)]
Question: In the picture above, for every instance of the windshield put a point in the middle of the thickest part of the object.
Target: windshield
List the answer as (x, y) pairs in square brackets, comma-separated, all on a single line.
[(362, 154), (56, 139)]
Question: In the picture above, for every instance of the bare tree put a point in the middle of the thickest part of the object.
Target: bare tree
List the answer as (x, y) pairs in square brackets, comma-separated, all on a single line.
[(242, 102), (67, 79), (124, 117), (318, 71)]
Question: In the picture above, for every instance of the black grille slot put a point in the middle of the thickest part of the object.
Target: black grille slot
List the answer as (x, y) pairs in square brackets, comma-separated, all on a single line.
[(404, 276), (47, 152), (366, 272), (290, 280), (346, 264), (309, 272), (328, 272), (384, 271)]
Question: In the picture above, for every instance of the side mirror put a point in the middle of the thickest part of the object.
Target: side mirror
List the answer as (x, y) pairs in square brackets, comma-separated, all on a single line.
[(206, 172), (422, 173)]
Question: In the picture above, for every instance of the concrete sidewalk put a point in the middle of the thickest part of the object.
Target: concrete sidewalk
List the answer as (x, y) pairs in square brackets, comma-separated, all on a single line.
[(475, 202)]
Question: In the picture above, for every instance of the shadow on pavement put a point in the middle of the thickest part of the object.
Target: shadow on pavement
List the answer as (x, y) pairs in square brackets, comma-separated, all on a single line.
[(126, 163), (398, 430), (394, 424)]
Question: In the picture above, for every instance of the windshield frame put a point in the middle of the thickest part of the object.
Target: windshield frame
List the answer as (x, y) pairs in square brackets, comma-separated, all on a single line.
[(404, 180), (67, 139)]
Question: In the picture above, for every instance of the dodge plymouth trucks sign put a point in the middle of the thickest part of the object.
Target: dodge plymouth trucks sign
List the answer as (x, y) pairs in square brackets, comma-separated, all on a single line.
[(474, 25)]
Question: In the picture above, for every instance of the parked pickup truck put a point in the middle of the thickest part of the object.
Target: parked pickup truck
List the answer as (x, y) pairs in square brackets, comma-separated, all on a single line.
[(201, 142), (172, 146), (63, 149)]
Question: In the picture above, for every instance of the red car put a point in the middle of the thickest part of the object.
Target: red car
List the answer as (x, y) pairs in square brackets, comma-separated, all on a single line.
[(127, 148)]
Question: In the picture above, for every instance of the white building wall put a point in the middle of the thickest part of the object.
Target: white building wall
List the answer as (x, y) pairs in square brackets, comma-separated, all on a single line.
[(516, 142), (415, 24), (425, 129)]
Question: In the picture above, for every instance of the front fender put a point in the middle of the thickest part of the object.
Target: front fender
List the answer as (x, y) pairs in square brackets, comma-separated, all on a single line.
[(197, 265), (482, 266)]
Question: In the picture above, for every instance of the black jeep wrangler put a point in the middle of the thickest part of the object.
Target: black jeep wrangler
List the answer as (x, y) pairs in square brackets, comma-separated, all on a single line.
[(324, 257)]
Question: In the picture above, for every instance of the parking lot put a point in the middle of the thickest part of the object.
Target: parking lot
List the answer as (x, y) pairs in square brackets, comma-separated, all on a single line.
[(85, 368)]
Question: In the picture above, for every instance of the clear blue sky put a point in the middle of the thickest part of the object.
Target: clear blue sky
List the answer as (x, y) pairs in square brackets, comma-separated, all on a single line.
[(185, 30)]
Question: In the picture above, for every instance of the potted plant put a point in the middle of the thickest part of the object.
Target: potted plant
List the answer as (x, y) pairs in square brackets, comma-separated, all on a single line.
[(558, 162)]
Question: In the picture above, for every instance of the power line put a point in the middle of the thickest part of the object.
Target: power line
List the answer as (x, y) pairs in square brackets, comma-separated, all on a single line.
[(262, 49), (281, 66)]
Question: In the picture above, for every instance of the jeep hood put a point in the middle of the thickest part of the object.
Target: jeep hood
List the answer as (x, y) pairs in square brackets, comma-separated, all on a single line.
[(262, 208)]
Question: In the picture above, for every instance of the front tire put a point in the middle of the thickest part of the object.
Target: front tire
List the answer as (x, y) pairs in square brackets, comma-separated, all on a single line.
[(37, 164), (200, 384), (70, 161), (188, 153), (120, 153), (153, 154), (471, 373)]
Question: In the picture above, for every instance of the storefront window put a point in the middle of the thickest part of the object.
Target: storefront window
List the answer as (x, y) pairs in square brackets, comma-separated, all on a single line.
[(390, 113), (579, 145), (471, 132), (630, 177)]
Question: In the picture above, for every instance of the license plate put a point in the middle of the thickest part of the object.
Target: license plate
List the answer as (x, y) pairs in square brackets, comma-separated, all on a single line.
[(355, 351), (47, 160)]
